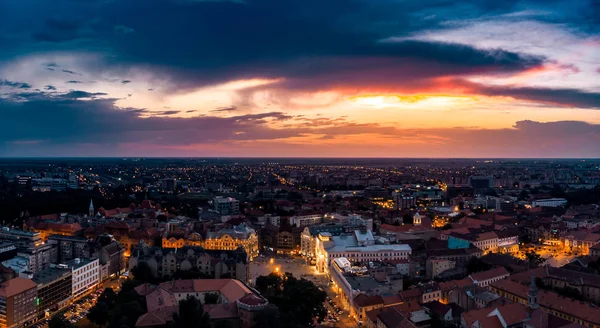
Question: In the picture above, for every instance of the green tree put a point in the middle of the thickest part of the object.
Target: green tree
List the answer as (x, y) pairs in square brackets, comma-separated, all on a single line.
[(143, 273), (59, 321), (299, 301), (477, 265), (211, 298), (534, 258), (191, 314), (99, 314)]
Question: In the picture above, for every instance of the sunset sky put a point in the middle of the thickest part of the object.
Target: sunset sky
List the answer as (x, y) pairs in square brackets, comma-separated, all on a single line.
[(300, 78)]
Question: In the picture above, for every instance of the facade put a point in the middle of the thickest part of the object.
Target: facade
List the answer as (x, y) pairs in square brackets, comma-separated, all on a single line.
[(549, 202), (308, 238), (485, 278), (112, 256), (17, 302), (435, 267), (165, 262), (54, 288), (508, 240), (86, 275), (236, 301), (358, 247), (47, 229), (231, 239), (224, 239), (226, 205), (582, 313), (69, 247), (306, 220)]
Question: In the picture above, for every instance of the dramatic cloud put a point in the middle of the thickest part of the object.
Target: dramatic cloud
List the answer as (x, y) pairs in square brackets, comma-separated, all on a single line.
[(315, 78)]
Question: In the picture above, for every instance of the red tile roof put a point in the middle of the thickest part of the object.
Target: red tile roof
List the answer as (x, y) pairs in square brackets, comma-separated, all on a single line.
[(363, 300), (16, 286), (489, 274)]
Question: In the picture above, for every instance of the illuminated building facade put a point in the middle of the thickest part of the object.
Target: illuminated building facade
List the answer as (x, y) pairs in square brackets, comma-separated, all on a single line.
[(224, 239)]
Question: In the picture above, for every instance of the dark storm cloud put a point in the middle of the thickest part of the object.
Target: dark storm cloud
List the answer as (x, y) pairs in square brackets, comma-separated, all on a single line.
[(205, 42), (76, 94), (70, 72), (225, 109), (63, 124), (12, 84), (50, 88)]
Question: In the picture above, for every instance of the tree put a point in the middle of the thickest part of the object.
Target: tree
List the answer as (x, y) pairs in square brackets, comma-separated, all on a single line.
[(477, 265), (59, 321), (534, 258), (143, 273), (211, 298), (300, 301), (98, 314), (191, 314), (109, 297)]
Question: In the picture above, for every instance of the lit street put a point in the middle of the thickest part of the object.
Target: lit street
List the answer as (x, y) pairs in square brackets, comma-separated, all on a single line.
[(265, 265)]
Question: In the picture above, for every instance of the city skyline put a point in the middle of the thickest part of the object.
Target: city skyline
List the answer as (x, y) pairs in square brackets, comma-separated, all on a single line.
[(280, 78)]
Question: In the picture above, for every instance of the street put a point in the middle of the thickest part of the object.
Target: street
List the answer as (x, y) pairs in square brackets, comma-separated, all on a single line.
[(264, 265)]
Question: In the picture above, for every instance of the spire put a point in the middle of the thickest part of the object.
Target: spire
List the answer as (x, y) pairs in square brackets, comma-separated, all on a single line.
[(532, 295), (91, 209)]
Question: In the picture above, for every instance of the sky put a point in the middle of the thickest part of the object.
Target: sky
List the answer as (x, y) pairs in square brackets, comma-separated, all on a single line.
[(310, 78)]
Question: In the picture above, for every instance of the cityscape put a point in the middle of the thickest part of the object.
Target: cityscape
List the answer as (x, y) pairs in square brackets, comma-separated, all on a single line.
[(299, 164), (89, 242)]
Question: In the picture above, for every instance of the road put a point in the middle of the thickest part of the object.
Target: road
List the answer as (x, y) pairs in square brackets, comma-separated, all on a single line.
[(298, 268)]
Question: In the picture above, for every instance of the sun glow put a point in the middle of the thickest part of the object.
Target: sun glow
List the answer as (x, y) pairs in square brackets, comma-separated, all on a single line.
[(384, 101)]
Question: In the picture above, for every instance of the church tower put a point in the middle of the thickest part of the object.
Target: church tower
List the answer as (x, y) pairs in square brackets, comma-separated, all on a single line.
[(532, 295), (91, 211), (417, 219)]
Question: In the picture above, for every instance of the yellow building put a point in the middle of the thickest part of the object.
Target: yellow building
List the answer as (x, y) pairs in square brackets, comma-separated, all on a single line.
[(224, 239)]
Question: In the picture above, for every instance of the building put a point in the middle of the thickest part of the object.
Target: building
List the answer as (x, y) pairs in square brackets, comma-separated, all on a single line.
[(47, 229), (306, 220), (549, 202), (18, 297), (70, 247), (165, 262), (582, 313), (360, 287), (485, 241), (586, 283), (226, 205), (112, 260), (231, 239), (20, 238), (357, 247), (223, 239), (54, 289), (435, 267), (580, 241), (507, 315), (485, 278), (481, 183), (508, 240), (308, 238), (236, 302), (86, 275)]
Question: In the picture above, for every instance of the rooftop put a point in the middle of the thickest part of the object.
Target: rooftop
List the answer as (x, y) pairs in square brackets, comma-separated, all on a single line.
[(49, 275), (16, 286)]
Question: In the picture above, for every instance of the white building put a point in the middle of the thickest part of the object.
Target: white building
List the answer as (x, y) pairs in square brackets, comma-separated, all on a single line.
[(86, 275), (358, 247), (549, 202), (226, 205), (306, 220)]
